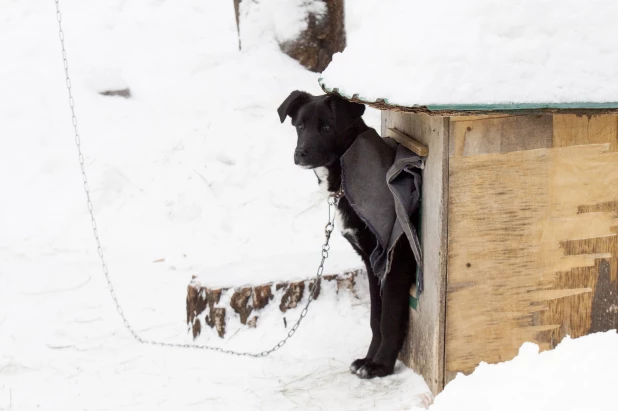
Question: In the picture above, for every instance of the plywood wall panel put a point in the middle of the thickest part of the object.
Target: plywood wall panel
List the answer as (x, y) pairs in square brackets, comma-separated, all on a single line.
[(532, 238)]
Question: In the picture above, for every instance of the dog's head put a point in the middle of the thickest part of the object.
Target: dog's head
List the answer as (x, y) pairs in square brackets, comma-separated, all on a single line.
[(324, 125)]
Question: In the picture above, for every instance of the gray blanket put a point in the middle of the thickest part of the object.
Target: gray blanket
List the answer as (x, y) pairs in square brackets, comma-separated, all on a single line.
[(382, 182)]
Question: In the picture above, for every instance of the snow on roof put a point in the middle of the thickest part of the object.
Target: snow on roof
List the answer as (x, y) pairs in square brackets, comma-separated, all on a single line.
[(483, 54)]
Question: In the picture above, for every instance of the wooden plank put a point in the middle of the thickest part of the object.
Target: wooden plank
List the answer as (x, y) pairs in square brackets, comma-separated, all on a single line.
[(454, 119), (408, 141), (499, 134), (424, 347), (533, 231), (573, 130), (597, 311)]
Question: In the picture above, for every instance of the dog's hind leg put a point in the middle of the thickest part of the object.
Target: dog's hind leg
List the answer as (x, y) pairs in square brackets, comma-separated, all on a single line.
[(376, 313), (394, 316)]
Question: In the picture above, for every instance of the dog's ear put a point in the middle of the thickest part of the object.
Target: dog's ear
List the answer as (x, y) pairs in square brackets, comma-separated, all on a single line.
[(345, 112), (290, 105)]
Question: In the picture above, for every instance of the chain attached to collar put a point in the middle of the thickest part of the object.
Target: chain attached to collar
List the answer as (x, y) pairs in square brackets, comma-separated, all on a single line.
[(333, 200), (339, 194)]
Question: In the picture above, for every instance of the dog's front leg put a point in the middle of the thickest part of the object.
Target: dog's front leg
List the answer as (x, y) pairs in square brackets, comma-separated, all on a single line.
[(376, 314), (394, 317)]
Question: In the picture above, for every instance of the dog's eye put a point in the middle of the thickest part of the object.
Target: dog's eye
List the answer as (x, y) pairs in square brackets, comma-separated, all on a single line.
[(300, 126), (326, 128)]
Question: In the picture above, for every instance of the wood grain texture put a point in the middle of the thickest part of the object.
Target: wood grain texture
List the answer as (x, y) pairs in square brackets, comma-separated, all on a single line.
[(408, 142), (499, 134), (424, 348), (454, 119), (533, 235), (573, 130)]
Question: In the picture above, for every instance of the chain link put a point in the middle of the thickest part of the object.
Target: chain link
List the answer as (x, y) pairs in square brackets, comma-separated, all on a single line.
[(332, 203)]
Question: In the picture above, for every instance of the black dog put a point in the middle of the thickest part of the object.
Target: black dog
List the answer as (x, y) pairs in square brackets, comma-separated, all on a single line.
[(326, 127)]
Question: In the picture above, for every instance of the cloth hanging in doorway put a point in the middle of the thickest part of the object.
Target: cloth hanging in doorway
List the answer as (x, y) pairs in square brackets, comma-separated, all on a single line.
[(382, 181)]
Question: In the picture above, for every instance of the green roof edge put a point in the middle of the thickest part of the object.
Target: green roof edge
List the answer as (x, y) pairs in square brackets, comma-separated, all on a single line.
[(520, 106), (483, 107)]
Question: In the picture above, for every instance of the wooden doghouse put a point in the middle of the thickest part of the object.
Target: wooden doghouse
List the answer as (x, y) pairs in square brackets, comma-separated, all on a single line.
[(519, 230)]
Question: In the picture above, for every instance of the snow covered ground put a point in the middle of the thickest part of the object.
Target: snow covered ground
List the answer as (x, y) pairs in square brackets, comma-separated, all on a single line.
[(196, 170), (578, 375)]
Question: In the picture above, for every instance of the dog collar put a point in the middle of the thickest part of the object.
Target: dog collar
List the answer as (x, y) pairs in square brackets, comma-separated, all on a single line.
[(337, 195)]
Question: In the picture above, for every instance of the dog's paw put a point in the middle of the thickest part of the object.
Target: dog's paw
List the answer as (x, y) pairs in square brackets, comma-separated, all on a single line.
[(371, 370), (358, 364)]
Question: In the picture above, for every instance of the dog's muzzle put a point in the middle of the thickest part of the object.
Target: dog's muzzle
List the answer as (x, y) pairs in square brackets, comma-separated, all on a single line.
[(300, 156)]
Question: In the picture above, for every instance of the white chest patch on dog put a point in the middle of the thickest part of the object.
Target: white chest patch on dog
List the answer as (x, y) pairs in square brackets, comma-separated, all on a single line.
[(322, 174), (346, 231), (340, 222)]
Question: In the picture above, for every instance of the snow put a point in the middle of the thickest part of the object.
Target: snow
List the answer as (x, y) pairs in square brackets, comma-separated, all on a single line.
[(195, 168), (280, 20), (447, 52), (579, 374), (290, 16), (192, 175), (293, 266), (64, 348)]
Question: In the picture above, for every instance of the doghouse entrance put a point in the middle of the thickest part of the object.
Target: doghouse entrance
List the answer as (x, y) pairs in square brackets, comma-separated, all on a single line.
[(422, 150), (424, 347)]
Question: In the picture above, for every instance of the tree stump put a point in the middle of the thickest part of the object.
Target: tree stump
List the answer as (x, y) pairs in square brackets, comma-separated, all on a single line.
[(325, 36)]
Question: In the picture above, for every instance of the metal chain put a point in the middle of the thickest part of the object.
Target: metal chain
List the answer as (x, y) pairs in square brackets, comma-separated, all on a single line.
[(332, 203)]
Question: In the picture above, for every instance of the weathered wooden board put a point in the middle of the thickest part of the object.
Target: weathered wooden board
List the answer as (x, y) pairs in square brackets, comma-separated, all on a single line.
[(424, 348), (487, 134), (408, 142), (572, 130), (532, 234)]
